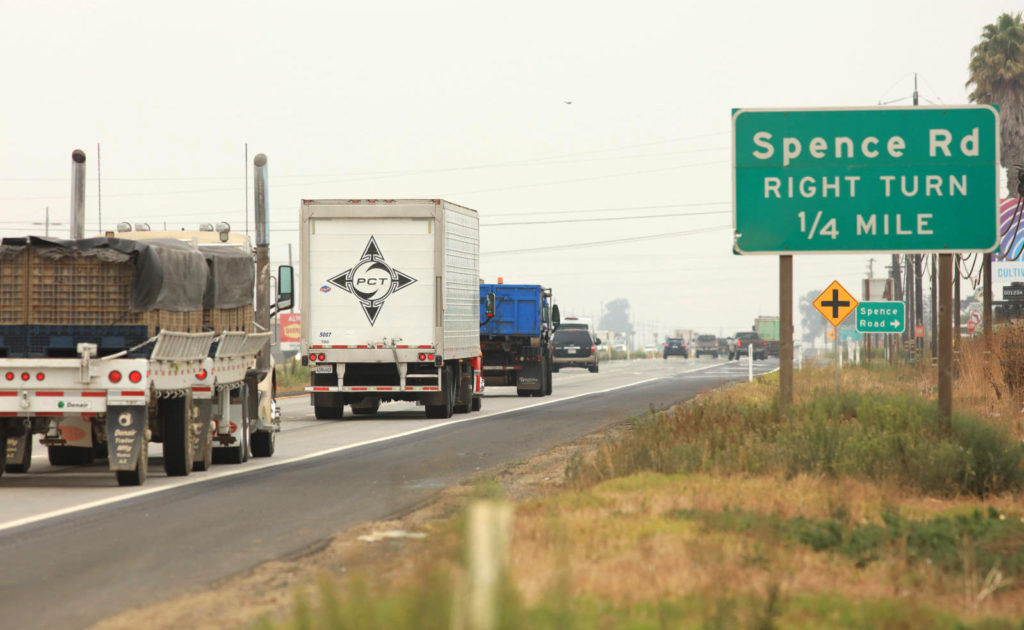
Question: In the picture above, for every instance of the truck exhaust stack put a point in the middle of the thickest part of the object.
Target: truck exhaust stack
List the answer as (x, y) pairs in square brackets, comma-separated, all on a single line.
[(262, 210), (77, 194)]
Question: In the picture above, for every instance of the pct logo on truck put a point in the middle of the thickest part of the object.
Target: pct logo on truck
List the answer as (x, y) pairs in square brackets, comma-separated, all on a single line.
[(372, 280)]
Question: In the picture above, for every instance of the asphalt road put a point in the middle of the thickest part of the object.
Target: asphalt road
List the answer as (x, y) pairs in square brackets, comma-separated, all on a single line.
[(76, 548)]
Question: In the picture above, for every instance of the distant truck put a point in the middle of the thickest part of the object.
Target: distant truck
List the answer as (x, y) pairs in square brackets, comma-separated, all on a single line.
[(517, 324), (706, 344), (767, 328), (390, 304)]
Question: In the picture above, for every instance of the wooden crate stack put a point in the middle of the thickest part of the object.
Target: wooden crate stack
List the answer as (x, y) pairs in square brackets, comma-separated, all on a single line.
[(79, 291), (235, 319)]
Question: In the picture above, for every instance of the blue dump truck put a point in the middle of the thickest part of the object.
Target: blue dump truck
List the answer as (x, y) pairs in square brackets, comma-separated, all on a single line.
[(517, 322)]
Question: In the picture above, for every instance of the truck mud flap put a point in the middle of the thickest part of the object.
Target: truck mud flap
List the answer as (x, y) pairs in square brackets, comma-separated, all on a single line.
[(16, 446), (126, 435), (530, 377)]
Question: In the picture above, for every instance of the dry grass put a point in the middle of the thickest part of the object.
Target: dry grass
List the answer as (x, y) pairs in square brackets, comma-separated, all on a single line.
[(618, 542)]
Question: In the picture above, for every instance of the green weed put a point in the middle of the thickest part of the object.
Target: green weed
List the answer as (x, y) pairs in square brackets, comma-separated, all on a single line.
[(994, 540), (866, 435)]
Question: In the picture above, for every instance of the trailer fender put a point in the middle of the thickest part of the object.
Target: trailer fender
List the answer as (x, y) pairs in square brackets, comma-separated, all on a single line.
[(126, 435)]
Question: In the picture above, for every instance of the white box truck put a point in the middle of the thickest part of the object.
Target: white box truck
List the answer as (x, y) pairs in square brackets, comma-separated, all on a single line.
[(390, 304)]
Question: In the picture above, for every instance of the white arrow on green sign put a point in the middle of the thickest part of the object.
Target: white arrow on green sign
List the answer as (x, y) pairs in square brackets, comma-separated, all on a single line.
[(881, 317)]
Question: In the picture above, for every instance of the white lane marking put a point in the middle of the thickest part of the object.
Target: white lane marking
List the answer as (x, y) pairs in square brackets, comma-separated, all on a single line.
[(249, 469)]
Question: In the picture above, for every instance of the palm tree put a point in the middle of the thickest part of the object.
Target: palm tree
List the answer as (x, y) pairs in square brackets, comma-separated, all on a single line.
[(997, 72)]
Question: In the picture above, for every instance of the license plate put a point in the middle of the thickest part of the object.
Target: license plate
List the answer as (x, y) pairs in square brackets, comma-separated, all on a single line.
[(571, 350), (323, 369)]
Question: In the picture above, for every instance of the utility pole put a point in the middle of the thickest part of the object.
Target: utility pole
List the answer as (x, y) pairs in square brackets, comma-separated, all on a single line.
[(99, 190), (919, 298), (935, 329), (956, 301)]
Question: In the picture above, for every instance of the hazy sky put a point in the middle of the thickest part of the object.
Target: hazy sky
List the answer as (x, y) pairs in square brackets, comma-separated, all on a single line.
[(465, 101)]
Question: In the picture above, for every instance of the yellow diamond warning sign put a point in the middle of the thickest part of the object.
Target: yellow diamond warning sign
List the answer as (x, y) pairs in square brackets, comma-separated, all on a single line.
[(835, 303)]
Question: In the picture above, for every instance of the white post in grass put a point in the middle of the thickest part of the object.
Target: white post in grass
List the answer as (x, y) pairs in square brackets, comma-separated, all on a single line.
[(490, 525), (750, 362)]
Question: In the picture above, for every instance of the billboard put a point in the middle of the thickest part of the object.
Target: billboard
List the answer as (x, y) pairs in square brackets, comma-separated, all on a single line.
[(290, 324)]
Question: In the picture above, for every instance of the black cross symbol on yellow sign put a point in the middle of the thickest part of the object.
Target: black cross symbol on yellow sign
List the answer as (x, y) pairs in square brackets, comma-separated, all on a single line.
[(835, 303)]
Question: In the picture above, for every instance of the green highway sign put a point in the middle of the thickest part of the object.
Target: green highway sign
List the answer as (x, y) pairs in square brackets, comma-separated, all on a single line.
[(880, 317), (878, 179)]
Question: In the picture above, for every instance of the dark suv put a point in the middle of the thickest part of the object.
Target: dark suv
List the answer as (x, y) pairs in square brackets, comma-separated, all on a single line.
[(675, 346), (744, 339), (574, 347)]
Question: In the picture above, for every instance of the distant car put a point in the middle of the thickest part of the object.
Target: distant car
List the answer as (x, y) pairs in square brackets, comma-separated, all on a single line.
[(675, 346), (575, 347), (706, 344), (751, 339), (727, 346)]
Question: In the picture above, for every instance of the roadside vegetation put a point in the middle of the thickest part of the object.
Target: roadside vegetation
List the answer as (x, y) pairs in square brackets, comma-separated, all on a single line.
[(860, 509), (292, 377)]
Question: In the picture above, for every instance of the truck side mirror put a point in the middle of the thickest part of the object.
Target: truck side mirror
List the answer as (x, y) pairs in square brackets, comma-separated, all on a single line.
[(556, 318), (285, 287), (597, 341)]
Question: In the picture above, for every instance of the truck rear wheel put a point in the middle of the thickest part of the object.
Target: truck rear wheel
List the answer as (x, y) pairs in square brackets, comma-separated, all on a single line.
[(329, 412), (204, 436), (138, 476), (264, 443), (179, 454), (448, 388)]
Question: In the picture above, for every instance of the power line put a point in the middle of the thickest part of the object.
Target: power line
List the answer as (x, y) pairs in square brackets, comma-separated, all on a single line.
[(631, 239), (614, 209), (593, 219)]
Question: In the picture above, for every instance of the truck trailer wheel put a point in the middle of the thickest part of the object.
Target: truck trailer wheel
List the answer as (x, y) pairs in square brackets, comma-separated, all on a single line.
[(203, 440), (138, 476), (263, 443), (329, 412), (179, 454), (448, 387), (477, 403)]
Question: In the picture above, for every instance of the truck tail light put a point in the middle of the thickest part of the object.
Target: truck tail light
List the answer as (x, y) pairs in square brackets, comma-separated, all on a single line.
[(321, 357), (422, 357), (25, 376), (312, 356), (135, 376), (9, 376), (40, 376), (201, 374), (591, 349), (114, 376), (764, 343), (739, 344)]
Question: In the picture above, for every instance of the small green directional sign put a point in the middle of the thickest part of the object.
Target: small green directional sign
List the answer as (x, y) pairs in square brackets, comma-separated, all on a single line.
[(881, 317)]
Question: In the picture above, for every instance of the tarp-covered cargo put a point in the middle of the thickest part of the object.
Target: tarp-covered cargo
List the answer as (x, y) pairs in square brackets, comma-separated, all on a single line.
[(165, 275), (232, 277)]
